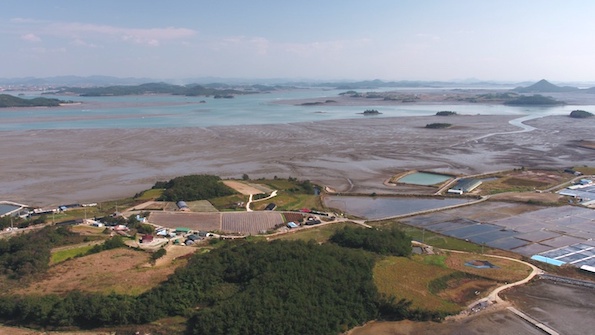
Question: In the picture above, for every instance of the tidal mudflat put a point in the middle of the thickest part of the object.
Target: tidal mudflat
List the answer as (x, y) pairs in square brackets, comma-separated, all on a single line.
[(58, 166)]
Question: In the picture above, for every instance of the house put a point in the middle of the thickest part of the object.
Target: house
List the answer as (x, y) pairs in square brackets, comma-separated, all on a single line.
[(147, 239)]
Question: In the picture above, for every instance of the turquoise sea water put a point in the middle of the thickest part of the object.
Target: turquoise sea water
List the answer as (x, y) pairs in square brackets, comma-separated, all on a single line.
[(424, 178), (163, 111)]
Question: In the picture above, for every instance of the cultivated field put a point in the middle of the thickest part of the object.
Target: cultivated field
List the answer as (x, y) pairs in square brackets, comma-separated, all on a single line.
[(250, 222), (194, 221)]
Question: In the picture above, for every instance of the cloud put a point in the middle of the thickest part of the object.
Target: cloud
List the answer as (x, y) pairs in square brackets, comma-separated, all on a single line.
[(79, 32), (149, 36), (31, 38)]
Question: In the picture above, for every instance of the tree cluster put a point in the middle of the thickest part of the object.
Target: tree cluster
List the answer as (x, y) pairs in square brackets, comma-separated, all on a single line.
[(29, 254), (193, 187), (438, 125), (385, 242)]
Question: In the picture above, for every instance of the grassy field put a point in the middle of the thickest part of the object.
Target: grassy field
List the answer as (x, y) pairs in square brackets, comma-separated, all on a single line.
[(121, 270), (290, 201), (65, 254), (319, 234), (522, 180), (585, 169), (150, 194), (443, 282), (431, 238), (405, 278)]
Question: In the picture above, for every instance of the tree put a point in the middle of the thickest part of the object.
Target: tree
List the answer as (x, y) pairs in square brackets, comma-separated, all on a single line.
[(245, 177)]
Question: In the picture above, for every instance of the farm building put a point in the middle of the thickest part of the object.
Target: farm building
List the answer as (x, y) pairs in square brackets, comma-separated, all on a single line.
[(465, 186), (183, 206), (292, 225), (182, 230), (270, 207)]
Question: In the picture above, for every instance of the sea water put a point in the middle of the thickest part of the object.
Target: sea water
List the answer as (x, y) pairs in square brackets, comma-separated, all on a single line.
[(168, 111)]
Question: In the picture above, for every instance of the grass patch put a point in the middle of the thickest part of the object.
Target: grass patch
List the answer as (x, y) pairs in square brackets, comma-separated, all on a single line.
[(66, 254), (229, 203), (436, 260), (430, 238), (319, 234), (150, 194), (290, 201), (506, 271), (408, 279), (585, 169)]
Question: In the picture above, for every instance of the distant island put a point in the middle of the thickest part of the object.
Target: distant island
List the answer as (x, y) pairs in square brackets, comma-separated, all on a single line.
[(536, 100), (7, 100), (438, 125), (219, 91), (446, 113), (371, 112)]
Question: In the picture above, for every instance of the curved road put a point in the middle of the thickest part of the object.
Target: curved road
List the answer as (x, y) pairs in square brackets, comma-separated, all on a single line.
[(493, 297)]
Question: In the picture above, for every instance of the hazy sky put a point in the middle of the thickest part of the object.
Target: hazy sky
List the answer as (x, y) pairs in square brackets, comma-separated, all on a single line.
[(323, 39)]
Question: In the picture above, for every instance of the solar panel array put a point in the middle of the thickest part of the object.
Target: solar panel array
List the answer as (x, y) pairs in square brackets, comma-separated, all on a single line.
[(542, 231)]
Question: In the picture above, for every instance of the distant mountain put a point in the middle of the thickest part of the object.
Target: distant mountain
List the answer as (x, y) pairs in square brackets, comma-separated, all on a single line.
[(217, 90), (72, 81), (544, 86)]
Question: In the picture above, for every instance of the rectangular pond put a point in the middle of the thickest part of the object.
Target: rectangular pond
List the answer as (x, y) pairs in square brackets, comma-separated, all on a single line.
[(375, 208), (424, 178)]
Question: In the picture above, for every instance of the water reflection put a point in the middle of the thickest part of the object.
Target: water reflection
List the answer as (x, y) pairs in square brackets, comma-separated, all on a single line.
[(374, 208)]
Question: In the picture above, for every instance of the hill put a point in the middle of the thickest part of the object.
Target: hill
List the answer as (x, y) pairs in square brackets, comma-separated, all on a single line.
[(7, 100), (544, 86)]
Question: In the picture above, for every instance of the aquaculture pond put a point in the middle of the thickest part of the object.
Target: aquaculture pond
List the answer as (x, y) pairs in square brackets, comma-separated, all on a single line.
[(424, 178), (374, 208)]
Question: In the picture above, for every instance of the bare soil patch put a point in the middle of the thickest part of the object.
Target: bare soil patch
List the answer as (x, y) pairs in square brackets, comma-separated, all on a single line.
[(242, 188), (173, 253), (119, 270)]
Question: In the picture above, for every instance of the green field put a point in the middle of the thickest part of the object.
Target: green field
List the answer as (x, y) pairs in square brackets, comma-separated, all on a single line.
[(150, 194), (66, 254)]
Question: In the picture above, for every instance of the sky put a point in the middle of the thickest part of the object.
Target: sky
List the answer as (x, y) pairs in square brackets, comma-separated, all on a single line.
[(317, 40)]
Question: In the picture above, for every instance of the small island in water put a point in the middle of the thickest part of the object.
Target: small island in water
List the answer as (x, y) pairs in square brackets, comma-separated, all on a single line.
[(371, 112), (7, 100)]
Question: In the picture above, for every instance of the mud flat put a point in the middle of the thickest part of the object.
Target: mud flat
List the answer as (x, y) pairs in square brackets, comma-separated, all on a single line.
[(42, 167)]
